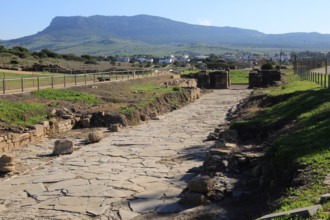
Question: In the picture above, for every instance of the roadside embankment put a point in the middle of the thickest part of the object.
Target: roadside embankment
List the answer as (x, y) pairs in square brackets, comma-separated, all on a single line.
[(281, 148)]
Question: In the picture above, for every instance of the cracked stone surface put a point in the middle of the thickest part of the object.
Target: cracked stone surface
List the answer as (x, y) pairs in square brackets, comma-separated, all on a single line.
[(141, 169)]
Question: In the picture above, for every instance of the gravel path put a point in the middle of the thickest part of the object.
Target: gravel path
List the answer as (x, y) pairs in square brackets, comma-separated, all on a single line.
[(142, 169)]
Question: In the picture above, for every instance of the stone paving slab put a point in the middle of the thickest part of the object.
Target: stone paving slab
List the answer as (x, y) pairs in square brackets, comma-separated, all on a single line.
[(137, 170), (301, 213)]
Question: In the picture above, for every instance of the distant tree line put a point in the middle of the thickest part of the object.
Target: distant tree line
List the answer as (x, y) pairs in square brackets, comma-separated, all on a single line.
[(24, 53)]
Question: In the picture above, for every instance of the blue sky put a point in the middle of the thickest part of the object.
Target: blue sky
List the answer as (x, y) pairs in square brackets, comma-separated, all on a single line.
[(20, 18)]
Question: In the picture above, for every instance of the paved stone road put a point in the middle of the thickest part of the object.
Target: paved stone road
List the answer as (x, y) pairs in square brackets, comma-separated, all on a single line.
[(138, 170)]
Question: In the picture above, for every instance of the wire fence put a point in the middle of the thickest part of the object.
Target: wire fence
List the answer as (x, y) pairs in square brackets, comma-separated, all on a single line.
[(314, 70), (27, 84)]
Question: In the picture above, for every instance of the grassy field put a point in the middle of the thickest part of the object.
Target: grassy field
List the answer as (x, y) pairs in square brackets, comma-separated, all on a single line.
[(239, 76), (306, 108), (67, 95)]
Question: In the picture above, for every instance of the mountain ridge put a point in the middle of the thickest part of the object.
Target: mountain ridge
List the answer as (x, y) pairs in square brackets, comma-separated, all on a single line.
[(147, 31)]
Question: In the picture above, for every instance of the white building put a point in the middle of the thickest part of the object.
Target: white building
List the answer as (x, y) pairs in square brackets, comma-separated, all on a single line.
[(167, 60), (123, 59), (145, 60)]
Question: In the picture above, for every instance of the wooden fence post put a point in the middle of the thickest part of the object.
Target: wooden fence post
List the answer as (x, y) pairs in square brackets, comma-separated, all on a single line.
[(38, 82), (85, 78), (75, 79), (321, 80), (64, 81), (3, 86), (22, 84), (326, 65), (52, 81), (325, 80)]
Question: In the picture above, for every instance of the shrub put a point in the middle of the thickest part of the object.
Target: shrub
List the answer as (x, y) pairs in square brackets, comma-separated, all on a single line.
[(267, 66)]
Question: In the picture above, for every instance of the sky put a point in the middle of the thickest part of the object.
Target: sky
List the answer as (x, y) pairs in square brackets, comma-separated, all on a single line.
[(19, 18)]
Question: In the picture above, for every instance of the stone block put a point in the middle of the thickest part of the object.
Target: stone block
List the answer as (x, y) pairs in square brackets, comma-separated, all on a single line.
[(325, 198), (95, 136), (16, 137), (7, 164), (176, 76), (62, 147), (201, 184), (219, 152), (24, 137), (39, 130), (193, 199), (303, 213), (115, 127), (85, 122)]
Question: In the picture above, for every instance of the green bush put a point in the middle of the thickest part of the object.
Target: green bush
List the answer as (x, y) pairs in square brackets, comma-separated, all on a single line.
[(267, 66)]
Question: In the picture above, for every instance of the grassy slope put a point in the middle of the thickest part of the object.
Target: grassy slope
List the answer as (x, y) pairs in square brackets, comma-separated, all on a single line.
[(307, 107), (33, 111), (156, 91), (20, 113)]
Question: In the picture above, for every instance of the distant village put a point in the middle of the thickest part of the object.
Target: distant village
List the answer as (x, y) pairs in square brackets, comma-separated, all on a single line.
[(201, 60)]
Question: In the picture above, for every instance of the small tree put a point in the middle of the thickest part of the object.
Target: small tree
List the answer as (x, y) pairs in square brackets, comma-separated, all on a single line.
[(267, 66)]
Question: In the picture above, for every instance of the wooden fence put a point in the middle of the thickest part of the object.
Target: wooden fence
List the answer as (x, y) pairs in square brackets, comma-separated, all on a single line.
[(27, 84), (313, 69), (321, 78)]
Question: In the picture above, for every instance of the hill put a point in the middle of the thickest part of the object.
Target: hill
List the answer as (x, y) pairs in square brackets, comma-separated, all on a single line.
[(150, 34)]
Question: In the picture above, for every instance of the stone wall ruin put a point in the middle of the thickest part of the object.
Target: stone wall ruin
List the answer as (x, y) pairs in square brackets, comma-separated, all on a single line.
[(212, 80), (263, 78)]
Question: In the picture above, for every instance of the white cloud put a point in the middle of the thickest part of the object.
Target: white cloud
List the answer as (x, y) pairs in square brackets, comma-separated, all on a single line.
[(204, 22)]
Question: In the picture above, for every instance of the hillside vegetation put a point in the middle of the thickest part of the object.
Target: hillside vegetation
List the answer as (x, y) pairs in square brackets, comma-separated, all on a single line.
[(298, 159)]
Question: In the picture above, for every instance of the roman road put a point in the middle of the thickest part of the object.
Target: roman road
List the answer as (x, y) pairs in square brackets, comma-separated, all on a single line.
[(141, 169)]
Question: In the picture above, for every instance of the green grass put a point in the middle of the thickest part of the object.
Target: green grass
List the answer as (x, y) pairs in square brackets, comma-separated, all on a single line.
[(19, 113), (307, 107), (129, 112), (151, 92), (67, 95), (239, 76)]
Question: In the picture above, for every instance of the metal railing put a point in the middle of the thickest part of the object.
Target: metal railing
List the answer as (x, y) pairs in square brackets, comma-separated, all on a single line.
[(28, 84)]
